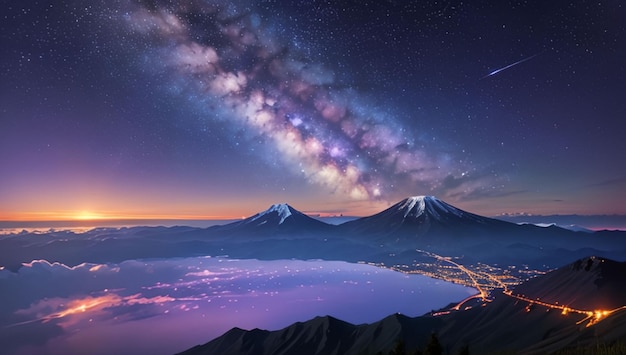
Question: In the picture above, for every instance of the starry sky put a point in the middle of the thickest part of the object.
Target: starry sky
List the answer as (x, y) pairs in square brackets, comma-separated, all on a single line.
[(217, 109)]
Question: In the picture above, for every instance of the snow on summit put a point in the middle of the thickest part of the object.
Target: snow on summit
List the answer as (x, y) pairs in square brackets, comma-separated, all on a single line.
[(282, 209), (410, 203), (415, 206)]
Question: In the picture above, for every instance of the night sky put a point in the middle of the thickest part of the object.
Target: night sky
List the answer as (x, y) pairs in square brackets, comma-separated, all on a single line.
[(217, 109)]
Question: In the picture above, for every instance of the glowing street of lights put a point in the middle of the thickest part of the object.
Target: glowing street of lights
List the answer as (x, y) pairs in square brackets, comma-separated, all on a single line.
[(487, 279)]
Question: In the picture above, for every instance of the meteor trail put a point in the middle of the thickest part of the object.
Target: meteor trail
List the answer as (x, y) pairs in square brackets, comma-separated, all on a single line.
[(508, 66)]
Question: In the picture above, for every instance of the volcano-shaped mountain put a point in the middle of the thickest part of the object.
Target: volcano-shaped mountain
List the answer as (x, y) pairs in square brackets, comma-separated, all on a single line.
[(278, 220), (418, 217)]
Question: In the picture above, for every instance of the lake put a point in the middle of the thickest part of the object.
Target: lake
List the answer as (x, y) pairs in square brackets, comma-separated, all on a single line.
[(168, 305)]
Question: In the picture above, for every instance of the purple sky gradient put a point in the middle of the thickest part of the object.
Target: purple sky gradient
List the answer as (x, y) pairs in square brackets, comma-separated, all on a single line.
[(218, 110)]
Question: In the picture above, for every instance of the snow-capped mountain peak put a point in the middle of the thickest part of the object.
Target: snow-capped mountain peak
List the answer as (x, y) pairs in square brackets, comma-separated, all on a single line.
[(416, 206), (282, 209), (279, 218), (410, 204)]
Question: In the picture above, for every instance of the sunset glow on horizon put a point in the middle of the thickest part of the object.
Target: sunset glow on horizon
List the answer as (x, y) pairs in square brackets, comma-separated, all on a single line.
[(103, 216)]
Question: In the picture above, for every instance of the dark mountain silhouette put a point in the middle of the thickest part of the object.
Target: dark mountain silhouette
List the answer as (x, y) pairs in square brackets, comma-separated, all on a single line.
[(505, 325), (321, 335), (590, 283)]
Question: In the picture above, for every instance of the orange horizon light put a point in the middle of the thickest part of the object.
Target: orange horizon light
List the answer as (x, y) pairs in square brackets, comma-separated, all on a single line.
[(86, 215)]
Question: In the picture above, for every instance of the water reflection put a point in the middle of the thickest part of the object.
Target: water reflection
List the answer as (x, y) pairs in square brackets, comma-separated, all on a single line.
[(164, 306)]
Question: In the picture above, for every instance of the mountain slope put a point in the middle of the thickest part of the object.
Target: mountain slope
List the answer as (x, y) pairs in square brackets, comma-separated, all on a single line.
[(590, 283)]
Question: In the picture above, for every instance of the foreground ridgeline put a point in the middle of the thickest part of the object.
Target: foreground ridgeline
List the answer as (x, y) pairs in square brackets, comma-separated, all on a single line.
[(508, 323), (525, 302)]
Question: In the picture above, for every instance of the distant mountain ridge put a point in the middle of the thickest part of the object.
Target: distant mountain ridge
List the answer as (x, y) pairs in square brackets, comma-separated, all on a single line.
[(390, 236), (572, 227), (589, 222)]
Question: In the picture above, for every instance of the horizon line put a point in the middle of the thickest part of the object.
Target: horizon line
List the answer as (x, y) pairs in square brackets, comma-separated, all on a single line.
[(224, 218)]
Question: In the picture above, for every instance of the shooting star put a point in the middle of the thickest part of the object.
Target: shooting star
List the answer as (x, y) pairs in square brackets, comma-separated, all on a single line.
[(508, 66)]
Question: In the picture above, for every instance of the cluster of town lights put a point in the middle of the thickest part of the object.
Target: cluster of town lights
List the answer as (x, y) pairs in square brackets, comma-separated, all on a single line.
[(591, 317)]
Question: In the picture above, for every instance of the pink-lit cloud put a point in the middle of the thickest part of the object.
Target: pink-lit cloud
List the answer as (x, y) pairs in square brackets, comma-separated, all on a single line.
[(90, 302)]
